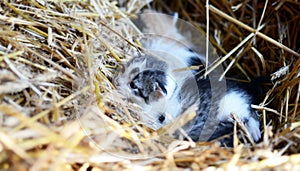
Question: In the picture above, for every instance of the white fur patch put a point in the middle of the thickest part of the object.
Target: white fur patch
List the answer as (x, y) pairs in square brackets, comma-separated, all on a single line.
[(238, 103), (234, 102), (170, 108), (171, 86)]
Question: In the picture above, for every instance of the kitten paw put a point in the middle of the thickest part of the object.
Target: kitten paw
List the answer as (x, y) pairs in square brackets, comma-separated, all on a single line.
[(253, 127)]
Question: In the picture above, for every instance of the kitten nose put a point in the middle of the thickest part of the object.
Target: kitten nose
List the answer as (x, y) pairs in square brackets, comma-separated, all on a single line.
[(161, 118)]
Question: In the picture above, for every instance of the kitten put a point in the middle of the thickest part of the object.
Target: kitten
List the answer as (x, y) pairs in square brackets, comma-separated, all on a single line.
[(160, 84)]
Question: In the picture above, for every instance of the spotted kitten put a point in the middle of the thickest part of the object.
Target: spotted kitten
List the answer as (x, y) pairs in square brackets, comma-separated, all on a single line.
[(160, 84)]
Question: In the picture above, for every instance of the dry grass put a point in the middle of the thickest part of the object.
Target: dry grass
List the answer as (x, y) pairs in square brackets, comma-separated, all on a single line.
[(57, 60)]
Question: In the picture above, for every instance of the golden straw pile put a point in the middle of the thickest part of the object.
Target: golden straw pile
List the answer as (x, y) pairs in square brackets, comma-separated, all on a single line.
[(59, 109)]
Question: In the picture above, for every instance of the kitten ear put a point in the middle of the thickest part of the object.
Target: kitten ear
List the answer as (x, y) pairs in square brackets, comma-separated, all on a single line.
[(156, 95)]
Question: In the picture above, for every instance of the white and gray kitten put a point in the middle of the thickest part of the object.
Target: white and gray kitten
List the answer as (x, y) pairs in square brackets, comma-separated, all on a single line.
[(159, 84)]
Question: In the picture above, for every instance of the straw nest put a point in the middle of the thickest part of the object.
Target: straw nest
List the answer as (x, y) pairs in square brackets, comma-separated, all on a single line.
[(60, 111)]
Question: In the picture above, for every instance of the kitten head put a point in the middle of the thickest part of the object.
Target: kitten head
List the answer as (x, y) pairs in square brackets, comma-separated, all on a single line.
[(144, 80)]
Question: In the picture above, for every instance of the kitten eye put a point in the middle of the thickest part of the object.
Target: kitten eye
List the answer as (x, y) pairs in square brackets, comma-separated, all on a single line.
[(161, 118), (132, 85)]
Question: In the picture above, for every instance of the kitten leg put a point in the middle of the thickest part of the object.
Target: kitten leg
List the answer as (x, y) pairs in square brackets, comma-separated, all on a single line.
[(238, 102)]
